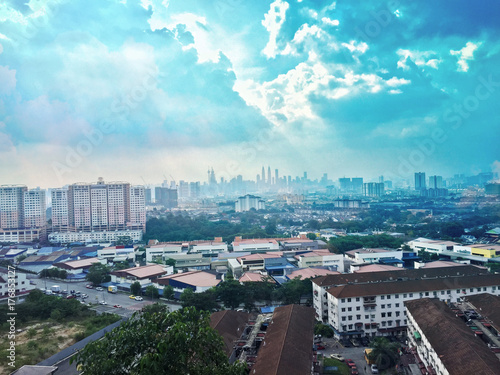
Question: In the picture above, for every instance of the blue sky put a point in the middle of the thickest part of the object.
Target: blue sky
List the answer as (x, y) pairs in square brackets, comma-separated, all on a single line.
[(135, 90)]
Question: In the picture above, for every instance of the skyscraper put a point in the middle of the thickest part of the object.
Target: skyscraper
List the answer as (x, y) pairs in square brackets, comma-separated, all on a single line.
[(263, 175), (435, 182), (420, 181), (276, 177), (35, 207), (269, 178), (60, 215)]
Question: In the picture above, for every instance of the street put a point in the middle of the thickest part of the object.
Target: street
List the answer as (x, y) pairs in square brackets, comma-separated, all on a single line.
[(356, 354)]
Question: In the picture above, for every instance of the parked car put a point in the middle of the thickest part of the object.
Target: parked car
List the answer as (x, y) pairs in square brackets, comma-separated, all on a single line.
[(103, 303), (99, 289), (64, 292), (138, 298), (350, 363), (355, 343), (70, 296), (131, 296), (354, 371), (117, 306), (337, 357), (346, 343), (89, 286), (320, 347), (374, 369), (83, 295), (78, 294)]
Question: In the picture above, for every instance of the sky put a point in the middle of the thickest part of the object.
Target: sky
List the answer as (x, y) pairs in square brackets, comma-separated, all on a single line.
[(147, 90)]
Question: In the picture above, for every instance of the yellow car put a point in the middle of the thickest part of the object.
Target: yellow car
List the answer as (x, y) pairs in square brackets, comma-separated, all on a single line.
[(131, 297)]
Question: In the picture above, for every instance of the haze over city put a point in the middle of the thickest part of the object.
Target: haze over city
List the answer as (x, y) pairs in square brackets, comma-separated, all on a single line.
[(136, 90)]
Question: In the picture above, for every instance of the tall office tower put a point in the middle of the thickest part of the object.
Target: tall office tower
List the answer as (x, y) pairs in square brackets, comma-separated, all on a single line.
[(324, 179), (289, 180), (420, 181), (212, 180), (35, 207), (194, 189), (269, 178), (148, 198), (263, 175), (305, 176), (345, 184), (276, 177), (381, 179), (11, 206), (183, 189), (137, 207), (79, 206), (257, 179), (357, 185), (435, 182), (166, 197), (60, 215)]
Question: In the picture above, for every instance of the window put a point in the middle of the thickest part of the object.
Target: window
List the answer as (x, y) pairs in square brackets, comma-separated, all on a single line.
[(382, 297), (388, 297), (411, 295), (349, 317), (404, 295), (493, 288), (383, 315), (372, 316), (383, 324), (343, 309), (427, 294), (367, 316), (357, 299), (389, 322), (358, 308), (349, 309), (389, 306), (350, 326), (382, 306), (342, 300), (348, 300), (448, 292), (405, 322), (484, 289), (442, 292), (458, 290), (396, 296), (343, 318), (397, 313), (389, 314), (397, 304), (358, 317)]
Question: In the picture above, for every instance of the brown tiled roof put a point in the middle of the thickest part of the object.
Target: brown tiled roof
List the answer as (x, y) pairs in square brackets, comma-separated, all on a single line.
[(287, 347), (75, 264), (307, 273), (141, 272), (453, 341), (194, 278), (488, 305), (346, 278), (255, 277), (230, 325), (412, 286)]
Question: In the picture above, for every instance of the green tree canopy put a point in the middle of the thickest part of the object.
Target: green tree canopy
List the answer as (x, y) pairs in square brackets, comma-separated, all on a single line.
[(384, 353), (135, 288), (168, 292), (231, 293), (152, 291), (201, 301), (180, 342), (98, 274)]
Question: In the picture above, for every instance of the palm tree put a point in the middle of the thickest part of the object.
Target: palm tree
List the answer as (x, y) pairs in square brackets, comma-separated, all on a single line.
[(384, 353)]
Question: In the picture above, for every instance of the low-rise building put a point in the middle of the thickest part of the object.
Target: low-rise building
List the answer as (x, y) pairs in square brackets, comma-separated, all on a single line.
[(371, 304), (321, 258), (77, 267), (374, 255), (144, 275), (256, 245), (444, 343), (160, 251), (208, 248), (198, 281), (94, 237), (13, 284), (117, 254)]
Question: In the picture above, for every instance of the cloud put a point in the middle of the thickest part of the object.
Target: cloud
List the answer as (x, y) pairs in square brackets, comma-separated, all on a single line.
[(273, 21), (464, 55)]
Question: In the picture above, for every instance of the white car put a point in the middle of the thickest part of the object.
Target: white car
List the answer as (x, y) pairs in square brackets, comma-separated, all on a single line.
[(337, 357), (103, 303), (138, 298), (374, 369), (99, 289)]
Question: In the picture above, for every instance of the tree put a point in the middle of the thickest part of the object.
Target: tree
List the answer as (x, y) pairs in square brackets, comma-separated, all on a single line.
[(98, 274), (180, 342), (311, 236), (135, 288), (168, 292), (292, 291), (323, 330), (121, 266), (231, 293), (201, 301), (170, 262), (384, 353), (152, 291)]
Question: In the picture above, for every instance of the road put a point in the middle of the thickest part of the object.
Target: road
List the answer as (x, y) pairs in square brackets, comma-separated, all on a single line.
[(129, 306), (356, 354)]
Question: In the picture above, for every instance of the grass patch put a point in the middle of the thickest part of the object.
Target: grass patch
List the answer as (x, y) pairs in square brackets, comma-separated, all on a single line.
[(343, 369)]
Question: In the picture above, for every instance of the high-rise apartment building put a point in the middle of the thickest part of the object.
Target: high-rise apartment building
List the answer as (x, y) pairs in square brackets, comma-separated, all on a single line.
[(137, 207), (435, 182), (420, 181), (60, 214), (35, 208), (12, 206), (373, 189)]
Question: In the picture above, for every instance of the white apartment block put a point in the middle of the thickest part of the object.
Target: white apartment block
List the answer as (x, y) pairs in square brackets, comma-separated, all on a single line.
[(255, 245), (372, 304), (372, 255), (248, 202), (12, 206), (208, 247), (79, 206), (321, 258), (158, 252), (138, 207), (94, 236), (60, 215), (21, 284), (35, 208)]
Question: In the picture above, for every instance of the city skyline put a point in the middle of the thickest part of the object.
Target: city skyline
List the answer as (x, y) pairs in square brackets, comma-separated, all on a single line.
[(138, 90)]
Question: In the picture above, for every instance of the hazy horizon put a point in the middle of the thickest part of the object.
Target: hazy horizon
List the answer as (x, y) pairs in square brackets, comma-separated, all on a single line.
[(138, 90)]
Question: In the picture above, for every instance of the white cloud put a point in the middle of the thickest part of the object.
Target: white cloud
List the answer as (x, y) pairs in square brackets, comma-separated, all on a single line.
[(7, 79), (464, 55), (354, 46), (394, 81), (328, 21), (273, 20)]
